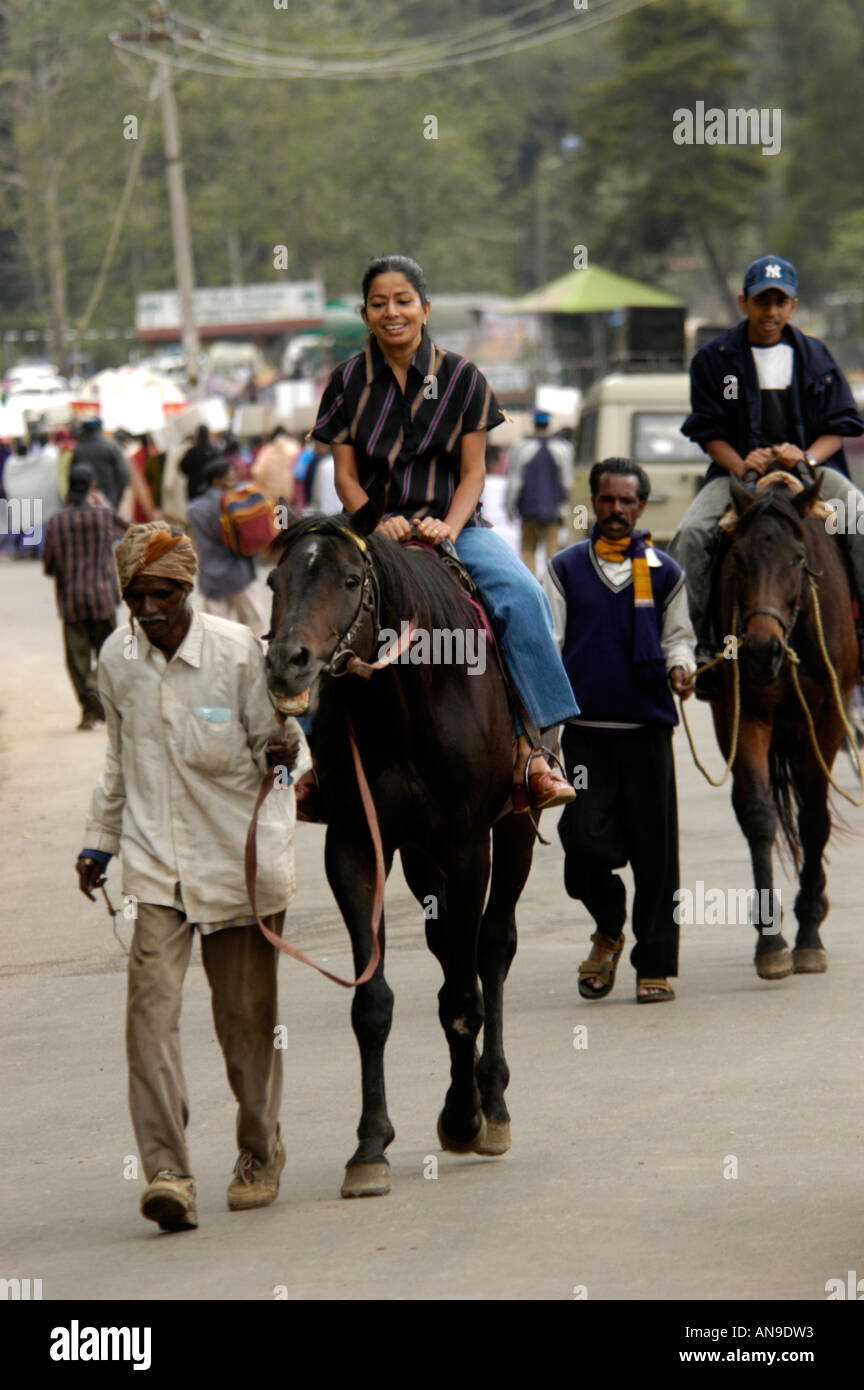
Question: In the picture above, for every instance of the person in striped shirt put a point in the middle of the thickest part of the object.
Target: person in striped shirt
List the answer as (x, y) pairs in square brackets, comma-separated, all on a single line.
[(410, 416), (78, 554)]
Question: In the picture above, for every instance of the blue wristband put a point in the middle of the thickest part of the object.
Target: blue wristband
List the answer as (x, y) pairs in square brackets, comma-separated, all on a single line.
[(101, 856)]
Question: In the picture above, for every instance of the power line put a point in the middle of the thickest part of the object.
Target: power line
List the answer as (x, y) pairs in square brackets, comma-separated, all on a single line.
[(403, 45), (232, 59)]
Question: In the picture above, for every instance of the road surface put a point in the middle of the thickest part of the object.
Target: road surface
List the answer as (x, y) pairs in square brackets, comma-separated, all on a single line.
[(708, 1148)]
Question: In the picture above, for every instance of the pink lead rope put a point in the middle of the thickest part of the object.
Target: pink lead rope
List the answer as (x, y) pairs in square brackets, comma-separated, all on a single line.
[(251, 856)]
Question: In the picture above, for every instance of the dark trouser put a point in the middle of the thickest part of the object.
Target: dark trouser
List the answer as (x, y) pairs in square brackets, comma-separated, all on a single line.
[(83, 641), (627, 812), (241, 969)]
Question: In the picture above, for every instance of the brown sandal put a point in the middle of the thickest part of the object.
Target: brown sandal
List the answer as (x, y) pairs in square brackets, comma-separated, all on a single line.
[(605, 969), (665, 990)]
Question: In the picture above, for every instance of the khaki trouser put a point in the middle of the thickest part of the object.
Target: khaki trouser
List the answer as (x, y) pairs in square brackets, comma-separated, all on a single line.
[(242, 607), (533, 532), (241, 968)]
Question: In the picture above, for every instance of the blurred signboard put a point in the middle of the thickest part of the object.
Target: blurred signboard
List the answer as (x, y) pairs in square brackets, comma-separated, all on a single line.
[(271, 308)]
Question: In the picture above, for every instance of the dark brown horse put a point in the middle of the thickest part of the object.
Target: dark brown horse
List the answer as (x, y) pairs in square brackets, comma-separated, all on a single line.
[(436, 744), (781, 573)]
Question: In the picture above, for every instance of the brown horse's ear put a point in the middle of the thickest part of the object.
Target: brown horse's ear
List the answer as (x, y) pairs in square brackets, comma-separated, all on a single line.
[(366, 518), (741, 498), (803, 501)]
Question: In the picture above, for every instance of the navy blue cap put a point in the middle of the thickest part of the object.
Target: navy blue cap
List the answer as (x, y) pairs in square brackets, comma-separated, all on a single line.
[(771, 273), (541, 417)]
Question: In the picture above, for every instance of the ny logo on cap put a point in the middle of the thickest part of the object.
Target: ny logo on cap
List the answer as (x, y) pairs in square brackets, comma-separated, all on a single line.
[(773, 271)]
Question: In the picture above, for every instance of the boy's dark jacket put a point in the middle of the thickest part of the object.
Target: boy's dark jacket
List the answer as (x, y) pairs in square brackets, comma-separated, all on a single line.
[(823, 402)]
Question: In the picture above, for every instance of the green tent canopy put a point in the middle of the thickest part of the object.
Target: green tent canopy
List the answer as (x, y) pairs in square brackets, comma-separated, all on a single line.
[(592, 291)]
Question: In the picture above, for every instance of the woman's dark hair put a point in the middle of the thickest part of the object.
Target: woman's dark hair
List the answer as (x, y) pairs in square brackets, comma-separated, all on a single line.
[(403, 265), (625, 468)]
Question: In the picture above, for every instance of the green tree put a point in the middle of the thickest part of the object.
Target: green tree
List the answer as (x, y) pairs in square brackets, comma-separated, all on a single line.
[(650, 193)]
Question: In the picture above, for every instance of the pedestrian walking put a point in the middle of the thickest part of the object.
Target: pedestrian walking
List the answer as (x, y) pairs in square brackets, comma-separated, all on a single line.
[(227, 581), (30, 478), (110, 467), (539, 479), (190, 730), (762, 393), (195, 460), (621, 623), (273, 469), (79, 555)]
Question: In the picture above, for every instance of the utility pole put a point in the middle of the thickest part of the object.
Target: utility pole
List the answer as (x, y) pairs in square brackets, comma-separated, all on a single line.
[(184, 269)]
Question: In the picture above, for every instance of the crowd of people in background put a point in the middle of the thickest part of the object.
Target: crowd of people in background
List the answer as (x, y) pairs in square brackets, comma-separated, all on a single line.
[(84, 487)]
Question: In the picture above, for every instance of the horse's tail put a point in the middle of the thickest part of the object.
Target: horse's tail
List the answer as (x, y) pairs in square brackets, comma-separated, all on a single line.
[(784, 789)]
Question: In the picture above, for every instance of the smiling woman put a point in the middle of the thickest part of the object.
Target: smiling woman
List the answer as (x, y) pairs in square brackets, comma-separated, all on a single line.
[(408, 419)]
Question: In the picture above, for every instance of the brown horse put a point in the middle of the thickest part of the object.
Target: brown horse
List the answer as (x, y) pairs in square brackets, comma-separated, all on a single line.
[(781, 574)]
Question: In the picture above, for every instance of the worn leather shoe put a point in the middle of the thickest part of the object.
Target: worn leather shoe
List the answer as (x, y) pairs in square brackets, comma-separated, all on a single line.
[(256, 1184), (170, 1200), (545, 788)]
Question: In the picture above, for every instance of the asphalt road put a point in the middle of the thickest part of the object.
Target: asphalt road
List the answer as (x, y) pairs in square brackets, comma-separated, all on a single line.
[(621, 1180)]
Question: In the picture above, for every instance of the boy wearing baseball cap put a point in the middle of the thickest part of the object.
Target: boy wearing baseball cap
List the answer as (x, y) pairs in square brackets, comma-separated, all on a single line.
[(762, 393)]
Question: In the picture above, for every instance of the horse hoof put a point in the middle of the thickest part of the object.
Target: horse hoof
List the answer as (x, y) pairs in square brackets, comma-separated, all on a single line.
[(809, 960), (367, 1180), (497, 1138), (774, 965), (462, 1146)]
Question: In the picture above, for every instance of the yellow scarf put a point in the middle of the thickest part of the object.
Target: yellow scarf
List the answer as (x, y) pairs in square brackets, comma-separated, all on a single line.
[(643, 594)]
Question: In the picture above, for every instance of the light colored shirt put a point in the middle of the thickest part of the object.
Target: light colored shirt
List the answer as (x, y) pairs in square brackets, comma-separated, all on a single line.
[(775, 366), (185, 760), (273, 470), (325, 498)]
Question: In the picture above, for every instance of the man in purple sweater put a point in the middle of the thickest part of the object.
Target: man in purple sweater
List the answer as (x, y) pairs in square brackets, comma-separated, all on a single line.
[(622, 626)]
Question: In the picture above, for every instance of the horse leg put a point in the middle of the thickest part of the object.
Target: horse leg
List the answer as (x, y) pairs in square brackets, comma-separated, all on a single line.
[(811, 902), (512, 851), (351, 874), (756, 810), (461, 1124)]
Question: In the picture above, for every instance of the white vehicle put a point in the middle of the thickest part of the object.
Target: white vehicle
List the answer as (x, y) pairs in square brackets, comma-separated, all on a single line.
[(33, 387), (639, 416), (33, 377)]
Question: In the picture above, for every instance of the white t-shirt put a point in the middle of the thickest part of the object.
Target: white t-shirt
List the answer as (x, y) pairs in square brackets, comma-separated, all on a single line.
[(774, 366)]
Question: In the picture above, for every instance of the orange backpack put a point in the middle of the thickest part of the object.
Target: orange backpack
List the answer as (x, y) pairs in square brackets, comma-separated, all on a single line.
[(248, 520)]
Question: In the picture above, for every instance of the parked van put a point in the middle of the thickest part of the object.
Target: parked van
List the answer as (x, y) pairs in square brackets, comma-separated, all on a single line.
[(639, 417)]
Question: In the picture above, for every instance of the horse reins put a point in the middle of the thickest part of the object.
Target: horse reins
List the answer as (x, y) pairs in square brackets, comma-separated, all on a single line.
[(369, 603), (794, 660)]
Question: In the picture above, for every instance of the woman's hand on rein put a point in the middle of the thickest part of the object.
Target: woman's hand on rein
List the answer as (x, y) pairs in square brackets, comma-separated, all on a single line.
[(397, 528), (433, 531)]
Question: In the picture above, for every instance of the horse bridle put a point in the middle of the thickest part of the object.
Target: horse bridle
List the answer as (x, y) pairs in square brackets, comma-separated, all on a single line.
[(787, 624), (369, 602)]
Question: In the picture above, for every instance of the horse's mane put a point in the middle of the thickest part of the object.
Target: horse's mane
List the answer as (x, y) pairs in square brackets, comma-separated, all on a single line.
[(774, 502), (412, 583)]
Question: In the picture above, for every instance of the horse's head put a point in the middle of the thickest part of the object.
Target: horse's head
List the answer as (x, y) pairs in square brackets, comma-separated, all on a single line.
[(323, 589), (763, 575)]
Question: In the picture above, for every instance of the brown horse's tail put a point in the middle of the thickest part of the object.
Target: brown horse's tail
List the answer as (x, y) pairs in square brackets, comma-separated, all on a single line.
[(784, 789)]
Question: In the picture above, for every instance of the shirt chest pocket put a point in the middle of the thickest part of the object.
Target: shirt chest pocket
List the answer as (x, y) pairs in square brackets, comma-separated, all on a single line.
[(209, 743)]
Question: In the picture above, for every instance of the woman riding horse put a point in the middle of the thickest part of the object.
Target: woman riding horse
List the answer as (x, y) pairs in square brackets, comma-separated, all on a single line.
[(408, 416)]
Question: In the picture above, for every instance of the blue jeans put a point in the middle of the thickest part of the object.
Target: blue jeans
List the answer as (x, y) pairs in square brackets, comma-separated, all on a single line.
[(522, 620)]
